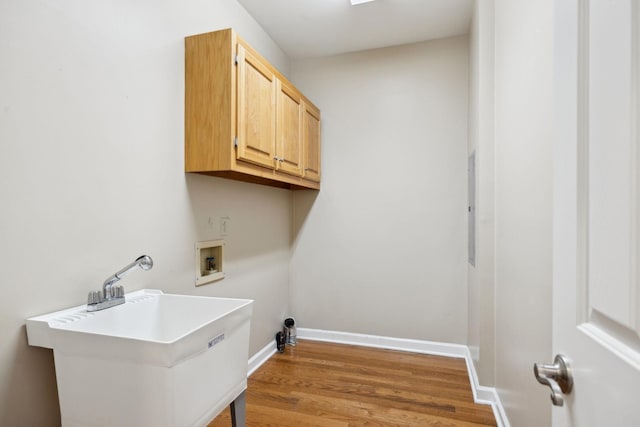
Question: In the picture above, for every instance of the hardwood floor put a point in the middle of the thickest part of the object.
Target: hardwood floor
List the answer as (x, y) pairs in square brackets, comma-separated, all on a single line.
[(323, 384)]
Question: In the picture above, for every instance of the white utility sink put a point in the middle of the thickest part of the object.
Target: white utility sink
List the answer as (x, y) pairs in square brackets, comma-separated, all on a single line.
[(156, 360)]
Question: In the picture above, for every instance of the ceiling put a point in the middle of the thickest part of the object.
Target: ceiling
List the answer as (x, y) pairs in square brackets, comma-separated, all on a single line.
[(308, 28)]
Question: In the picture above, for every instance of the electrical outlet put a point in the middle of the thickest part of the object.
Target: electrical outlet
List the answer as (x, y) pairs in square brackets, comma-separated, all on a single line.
[(225, 226)]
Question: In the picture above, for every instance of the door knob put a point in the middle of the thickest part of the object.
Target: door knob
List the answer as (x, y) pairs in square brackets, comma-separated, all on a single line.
[(557, 376)]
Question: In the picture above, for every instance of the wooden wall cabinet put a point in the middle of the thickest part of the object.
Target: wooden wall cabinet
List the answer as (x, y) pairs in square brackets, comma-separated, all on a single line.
[(311, 143), (243, 119)]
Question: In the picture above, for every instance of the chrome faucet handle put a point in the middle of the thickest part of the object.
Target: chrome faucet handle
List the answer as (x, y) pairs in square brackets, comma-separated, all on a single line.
[(115, 291), (118, 291), (557, 377), (95, 297)]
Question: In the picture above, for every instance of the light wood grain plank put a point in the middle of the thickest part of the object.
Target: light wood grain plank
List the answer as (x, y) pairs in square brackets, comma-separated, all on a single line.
[(323, 384)]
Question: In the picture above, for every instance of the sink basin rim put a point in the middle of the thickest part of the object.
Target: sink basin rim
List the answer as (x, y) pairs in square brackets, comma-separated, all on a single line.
[(42, 329)]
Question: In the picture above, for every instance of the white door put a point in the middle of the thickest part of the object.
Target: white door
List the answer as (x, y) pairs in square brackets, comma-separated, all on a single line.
[(596, 295)]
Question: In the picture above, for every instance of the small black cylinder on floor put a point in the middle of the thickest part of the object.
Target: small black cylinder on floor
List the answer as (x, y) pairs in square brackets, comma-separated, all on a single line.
[(280, 341)]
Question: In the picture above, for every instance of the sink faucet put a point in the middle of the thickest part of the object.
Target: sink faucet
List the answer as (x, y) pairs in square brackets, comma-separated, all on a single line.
[(114, 295), (144, 262)]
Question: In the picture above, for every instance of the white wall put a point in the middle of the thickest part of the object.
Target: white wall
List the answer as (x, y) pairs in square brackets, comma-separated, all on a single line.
[(382, 248), (510, 130), (523, 204), (91, 175), (473, 308), (481, 337)]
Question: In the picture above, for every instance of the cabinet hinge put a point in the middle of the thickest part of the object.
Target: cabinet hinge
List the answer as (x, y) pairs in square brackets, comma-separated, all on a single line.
[(235, 141), (235, 59)]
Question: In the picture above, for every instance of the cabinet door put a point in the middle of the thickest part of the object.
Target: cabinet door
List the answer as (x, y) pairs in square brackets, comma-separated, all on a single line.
[(256, 110), (311, 143), (289, 130)]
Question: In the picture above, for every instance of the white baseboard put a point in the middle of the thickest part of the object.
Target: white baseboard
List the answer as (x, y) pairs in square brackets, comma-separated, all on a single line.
[(481, 394), (486, 395), (261, 356)]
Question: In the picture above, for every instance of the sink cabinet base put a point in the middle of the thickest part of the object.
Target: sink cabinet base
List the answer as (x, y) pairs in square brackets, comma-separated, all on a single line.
[(193, 392)]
